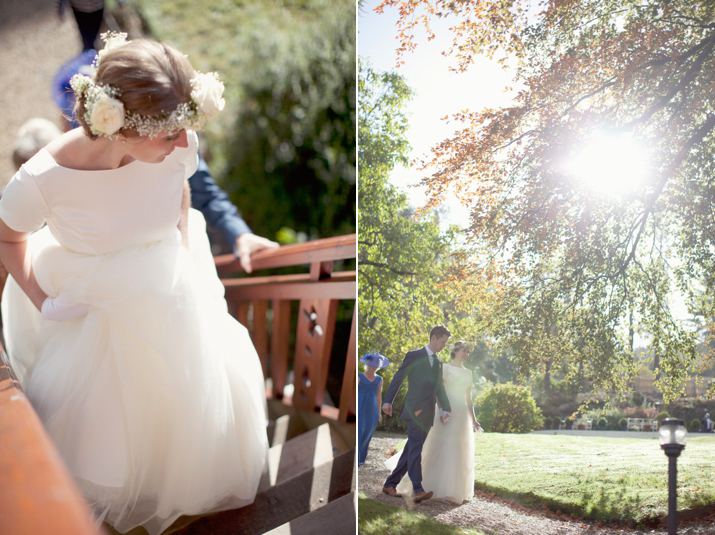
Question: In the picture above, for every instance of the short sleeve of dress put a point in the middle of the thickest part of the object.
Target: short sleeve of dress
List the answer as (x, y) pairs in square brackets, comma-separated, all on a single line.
[(191, 158), (22, 207), (445, 371)]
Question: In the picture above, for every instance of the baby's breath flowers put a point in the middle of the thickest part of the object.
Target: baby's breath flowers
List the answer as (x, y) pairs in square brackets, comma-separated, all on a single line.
[(111, 40)]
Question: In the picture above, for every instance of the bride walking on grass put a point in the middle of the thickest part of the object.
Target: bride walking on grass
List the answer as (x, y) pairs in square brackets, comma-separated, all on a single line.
[(448, 451)]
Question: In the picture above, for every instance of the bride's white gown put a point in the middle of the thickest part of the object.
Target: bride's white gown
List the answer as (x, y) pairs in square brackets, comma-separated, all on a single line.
[(448, 451), (155, 399)]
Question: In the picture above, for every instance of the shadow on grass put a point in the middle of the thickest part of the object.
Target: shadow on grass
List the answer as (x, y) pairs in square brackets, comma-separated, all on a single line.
[(602, 505), (375, 518)]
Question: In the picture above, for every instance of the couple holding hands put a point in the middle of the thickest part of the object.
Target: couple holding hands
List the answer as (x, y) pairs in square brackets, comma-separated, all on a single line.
[(441, 460)]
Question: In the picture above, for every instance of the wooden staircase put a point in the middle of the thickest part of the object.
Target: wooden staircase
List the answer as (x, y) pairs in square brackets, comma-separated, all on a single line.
[(309, 485), (310, 481)]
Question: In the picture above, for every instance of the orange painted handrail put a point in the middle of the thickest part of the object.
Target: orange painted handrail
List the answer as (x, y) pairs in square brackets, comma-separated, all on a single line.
[(37, 494), (324, 250)]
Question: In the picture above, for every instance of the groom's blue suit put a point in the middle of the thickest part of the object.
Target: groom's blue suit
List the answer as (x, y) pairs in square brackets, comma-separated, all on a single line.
[(424, 386)]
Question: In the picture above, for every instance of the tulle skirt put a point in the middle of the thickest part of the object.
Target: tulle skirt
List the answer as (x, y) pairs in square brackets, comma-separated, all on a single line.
[(155, 399), (447, 457)]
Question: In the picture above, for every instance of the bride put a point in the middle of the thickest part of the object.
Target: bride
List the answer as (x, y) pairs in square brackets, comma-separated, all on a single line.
[(115, 321), (448, 451)]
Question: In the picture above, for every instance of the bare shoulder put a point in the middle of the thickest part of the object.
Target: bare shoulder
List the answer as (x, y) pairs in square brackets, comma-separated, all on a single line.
[(67, 149), (74, 150)]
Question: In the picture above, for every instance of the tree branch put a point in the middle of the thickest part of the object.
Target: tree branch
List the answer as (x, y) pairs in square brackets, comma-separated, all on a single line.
[(684, 82), (386, 266)]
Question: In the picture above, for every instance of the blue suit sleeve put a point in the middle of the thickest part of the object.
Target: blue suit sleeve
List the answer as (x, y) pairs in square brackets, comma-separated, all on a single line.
[(214, 203), (399, 377)]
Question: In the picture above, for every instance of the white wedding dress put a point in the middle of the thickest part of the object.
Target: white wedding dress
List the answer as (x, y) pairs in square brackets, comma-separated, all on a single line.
[(448, 451), (155, 399)]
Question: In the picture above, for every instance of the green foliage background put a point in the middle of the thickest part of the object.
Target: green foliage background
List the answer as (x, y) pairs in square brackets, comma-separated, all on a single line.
[(284, 148)]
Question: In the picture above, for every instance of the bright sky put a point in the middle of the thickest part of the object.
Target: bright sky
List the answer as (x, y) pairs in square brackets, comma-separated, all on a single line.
[(438, 92)]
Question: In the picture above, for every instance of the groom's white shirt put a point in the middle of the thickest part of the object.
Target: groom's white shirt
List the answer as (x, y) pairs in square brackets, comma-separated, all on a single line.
[(430, 354)]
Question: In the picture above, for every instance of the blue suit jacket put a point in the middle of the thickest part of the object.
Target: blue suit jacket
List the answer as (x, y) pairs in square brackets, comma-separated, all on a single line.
[(423, 388), (214, 203)]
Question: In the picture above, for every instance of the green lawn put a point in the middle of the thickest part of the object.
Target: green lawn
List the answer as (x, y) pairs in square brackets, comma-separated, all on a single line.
[(596, 478), (375, 518)]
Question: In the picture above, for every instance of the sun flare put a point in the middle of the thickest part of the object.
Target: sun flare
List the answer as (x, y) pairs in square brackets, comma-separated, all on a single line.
[(610, 164)]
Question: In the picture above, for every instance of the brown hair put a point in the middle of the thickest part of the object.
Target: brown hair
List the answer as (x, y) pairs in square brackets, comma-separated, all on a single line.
[(439, 331), (457, 346), (152, 79)]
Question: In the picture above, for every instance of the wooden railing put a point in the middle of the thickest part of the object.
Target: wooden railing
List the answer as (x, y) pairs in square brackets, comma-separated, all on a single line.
[(263, 304), (37, 494)]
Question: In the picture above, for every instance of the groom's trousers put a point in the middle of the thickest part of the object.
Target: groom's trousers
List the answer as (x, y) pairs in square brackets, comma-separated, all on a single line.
[(411, 458)]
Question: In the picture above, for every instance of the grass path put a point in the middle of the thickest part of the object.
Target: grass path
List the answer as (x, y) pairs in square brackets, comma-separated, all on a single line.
[(381, 519)]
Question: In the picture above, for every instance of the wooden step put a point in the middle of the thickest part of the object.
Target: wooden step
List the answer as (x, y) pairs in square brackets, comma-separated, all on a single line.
[(291, 497), (339, 517), (303, 475), (278, 430), (343, 434), (297, 455)]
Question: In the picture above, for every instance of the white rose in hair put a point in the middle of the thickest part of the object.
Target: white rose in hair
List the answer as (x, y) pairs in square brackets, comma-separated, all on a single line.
[(107, 115), (206, 93)]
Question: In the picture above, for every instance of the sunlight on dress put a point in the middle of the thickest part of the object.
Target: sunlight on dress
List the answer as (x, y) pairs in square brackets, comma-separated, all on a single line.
[(155, 399), (448, 451)]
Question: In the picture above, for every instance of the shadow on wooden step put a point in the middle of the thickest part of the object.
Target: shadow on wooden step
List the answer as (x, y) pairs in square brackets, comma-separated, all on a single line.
[(281, 503), (301, 420), (339, 517)]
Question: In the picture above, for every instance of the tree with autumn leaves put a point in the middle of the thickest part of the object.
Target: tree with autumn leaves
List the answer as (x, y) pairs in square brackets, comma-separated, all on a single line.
[(576, 273), (404, 258)]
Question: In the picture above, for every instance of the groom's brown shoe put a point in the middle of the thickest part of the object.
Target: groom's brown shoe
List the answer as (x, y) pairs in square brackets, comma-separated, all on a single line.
[(422, 496), (390, 491)]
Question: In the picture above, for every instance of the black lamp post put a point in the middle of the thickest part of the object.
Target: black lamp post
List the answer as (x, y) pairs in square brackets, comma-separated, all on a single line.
[(672, 441)]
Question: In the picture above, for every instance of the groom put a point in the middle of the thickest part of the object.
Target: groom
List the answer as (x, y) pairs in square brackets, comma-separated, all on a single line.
[(422, 368)]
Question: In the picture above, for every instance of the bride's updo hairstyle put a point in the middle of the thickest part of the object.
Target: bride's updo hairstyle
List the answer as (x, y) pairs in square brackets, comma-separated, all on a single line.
[(152, 80), (456, 347)]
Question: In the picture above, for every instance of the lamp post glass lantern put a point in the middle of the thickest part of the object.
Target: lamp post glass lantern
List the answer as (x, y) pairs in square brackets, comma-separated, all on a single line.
[(672, 432), (672, 441)]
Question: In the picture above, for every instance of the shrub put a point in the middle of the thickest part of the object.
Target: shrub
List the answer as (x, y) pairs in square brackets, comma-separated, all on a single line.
[(291, 162), (695, 426), (508, 408), (548, 422), (602, 423), (662, 416), (638, 399), (623, 423)]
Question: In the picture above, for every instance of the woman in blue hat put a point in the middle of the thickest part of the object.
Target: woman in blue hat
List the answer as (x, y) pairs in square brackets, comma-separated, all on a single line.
[(369, 401)]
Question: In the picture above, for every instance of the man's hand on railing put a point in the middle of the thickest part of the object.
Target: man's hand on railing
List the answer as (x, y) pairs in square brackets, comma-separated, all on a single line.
[(247, 244)]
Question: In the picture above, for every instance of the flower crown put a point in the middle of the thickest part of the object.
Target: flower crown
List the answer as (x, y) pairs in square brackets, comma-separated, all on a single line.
[(105, 113), (459, 345)]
